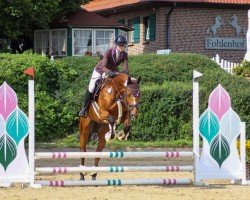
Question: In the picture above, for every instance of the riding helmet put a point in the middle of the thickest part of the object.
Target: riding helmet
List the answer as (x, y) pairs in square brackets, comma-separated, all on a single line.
[(120, 40)]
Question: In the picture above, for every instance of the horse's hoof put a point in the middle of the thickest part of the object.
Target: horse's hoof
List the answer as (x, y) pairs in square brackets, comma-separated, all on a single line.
[(109, 137), (93, 176), (112, 136), (82, 177), (120, 135)]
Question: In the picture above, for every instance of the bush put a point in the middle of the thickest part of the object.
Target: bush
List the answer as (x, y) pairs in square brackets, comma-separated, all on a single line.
[(243, 69), (165, 113)]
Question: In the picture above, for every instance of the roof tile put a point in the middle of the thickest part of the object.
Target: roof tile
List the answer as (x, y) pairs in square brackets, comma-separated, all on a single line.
[(83, 18), (96, 5)]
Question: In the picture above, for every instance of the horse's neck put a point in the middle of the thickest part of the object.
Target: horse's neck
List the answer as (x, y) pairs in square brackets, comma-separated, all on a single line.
[(114, 90)]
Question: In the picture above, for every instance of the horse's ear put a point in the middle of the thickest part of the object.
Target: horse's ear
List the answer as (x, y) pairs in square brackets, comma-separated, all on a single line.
[(139, 80), (129, 81)]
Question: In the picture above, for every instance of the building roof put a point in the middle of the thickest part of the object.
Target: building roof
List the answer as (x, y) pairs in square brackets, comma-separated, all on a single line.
[(98, 5), (83, 18)]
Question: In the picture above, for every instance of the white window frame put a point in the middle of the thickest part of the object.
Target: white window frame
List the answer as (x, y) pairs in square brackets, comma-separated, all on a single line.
[(50, 40), (35, 40), (50, 44), (93, 38), (102, 30), (73, 39)]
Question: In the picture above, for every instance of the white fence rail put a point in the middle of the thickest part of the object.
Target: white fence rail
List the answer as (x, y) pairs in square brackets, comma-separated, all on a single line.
[(224, 64)]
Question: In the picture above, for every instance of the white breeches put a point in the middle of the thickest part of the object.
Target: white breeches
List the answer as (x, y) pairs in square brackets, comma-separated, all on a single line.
[(95, 76)]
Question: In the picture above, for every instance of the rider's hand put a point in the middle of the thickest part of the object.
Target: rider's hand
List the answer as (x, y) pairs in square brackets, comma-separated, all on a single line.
[(111, 74)]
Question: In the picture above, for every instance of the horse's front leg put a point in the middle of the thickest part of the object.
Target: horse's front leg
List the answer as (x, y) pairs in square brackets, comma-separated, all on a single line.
[(112, 126), (85, 129), (101, 144), (123, 134), (127, 129)]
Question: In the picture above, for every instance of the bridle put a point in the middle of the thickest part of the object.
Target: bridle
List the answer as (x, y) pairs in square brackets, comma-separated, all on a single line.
[(121, 97), (135, 93)]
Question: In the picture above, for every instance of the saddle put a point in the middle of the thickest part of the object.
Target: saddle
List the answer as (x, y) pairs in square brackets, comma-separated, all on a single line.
[(98, 86)]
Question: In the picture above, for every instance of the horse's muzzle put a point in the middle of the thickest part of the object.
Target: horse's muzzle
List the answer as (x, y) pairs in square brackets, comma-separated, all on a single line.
[(133, 115)]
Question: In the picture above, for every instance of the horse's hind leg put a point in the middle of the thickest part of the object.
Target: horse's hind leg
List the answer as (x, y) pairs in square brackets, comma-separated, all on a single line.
[(103, 129), (85, 127)]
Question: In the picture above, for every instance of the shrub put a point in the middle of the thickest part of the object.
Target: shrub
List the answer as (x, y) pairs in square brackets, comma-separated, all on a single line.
[(243, 69), (165, 113)]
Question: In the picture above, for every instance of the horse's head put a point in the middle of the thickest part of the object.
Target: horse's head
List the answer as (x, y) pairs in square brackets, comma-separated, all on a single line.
[(132, 96), (219, 21), (233, 21)]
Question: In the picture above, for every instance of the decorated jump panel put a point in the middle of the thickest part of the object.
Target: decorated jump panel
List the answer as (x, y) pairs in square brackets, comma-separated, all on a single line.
[(219, 129), (13, 131)]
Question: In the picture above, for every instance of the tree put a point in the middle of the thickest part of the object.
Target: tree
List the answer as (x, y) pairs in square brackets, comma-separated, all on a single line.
[(17, 17)]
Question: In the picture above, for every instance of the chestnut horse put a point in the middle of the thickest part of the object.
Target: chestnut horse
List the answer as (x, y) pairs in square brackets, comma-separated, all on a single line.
[(117, 102)]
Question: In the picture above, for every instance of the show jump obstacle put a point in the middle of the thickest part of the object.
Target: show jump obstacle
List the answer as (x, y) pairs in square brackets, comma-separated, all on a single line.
[(219, 126)]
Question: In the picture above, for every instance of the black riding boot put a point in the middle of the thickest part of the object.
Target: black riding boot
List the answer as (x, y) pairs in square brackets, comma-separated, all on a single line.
[(86, 101)]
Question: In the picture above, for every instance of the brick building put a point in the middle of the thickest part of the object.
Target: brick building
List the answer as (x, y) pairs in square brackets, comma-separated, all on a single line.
[(208, 27)]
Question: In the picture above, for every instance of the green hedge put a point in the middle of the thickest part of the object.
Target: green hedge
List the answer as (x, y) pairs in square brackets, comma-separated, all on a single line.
[(243, 69), (165, 113), (55, 90), (166, 104)]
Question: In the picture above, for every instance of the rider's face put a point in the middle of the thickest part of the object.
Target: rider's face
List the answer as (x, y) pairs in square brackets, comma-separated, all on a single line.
[(121, 47)]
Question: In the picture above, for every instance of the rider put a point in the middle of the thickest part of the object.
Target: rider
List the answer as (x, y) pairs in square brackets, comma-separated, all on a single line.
[(112, 58)]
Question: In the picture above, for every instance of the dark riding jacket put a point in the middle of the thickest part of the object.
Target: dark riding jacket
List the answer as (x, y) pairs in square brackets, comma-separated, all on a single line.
[(109, 61)]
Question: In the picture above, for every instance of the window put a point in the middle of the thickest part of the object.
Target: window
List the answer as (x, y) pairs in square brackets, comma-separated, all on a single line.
[(104, 40), (92, 41), (82, 41), (51, 42), (146, 28), (42, 42), (131, 33), (59, 42), (121, 21), (149, 27), (121, 32)]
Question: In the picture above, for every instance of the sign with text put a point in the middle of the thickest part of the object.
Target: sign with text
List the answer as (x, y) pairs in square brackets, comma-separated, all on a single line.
[(163, 51), (215, 41), (225, 43)]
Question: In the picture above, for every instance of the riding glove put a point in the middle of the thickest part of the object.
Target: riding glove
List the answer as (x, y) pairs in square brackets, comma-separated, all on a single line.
[(111, 74)]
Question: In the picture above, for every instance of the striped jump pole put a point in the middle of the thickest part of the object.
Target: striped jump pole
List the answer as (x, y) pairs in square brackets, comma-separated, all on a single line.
[(111, 182), (110, 169), (54, 155)]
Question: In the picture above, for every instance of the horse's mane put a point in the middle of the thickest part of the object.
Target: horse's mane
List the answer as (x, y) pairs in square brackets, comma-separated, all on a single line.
[(120, 78)]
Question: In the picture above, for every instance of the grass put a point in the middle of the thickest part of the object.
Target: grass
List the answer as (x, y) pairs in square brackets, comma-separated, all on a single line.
[(72, 141)]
